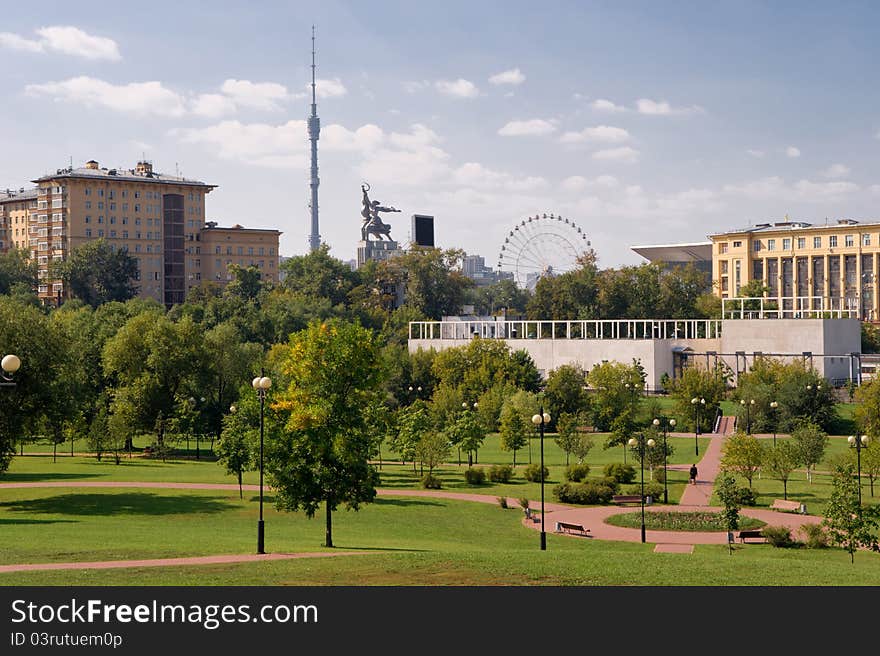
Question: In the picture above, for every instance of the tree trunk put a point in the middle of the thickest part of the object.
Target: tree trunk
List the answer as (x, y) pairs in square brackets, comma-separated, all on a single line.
[(55, 452), (240, 495), (514, 458), (328, 533), (785, 490)]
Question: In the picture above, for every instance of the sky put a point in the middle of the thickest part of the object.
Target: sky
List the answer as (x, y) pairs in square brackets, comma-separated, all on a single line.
[(641, 122)]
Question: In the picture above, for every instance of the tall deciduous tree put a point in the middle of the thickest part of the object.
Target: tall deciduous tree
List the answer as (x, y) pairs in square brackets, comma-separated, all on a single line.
[(848, 524), (323, 455), (235, 446), (430, 278), (17, 270), (515, 430), (743, 454), (564, 391), (781, 460), (319, 275), (811, 442), (96, 273), (696, 382)]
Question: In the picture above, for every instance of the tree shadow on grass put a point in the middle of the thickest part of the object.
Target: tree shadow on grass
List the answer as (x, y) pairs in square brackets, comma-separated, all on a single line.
[(18, 522), (401, 549), (132, 503), (388, 501), (28, 477)]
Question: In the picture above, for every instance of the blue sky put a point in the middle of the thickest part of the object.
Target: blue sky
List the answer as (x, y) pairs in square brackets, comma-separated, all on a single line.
[(643, 122)]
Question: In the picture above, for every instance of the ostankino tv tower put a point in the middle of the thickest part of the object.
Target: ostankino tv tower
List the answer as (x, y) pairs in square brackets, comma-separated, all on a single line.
[(314, 131)]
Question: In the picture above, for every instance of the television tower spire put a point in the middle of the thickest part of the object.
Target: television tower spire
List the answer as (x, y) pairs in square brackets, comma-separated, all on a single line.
[(314, 132)]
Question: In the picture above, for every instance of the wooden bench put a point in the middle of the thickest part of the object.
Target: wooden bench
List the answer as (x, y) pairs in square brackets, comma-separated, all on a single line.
[(789, 506), (755, 534), (566, 527), (620, 499)]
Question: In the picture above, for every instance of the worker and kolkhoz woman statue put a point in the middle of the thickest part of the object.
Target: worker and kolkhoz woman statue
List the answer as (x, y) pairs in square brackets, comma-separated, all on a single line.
[(372, 223)]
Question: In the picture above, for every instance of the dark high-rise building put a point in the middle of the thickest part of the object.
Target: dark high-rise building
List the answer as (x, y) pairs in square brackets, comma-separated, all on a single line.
[(423, 230)]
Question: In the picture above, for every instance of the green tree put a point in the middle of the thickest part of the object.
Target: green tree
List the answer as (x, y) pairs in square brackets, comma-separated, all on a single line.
[(567, 433), (96, 272), (811, 442), (564, 391), (502, 295), (467, 433), (246, 282), (235, 448), (515, 429), (781, 460), (17, 270), (433, 449), (848, 524), (581, 446), (699, 383), (431, 279), (323, 454), (742, 454), (413, 421), (616, 391), (319, 275), (728, 494), (871, 462), (571, 295)]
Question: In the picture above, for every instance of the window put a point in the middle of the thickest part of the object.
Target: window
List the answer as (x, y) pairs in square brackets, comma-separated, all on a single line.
[(866, 239), (216, 250), (100, 192), (149, 235), (112, 234), (112, 206), (271, 263), (100, 219), (240, 250), (723, 264), (271, 251), (137, 221), (88, 219), (124, 220), (137, 247), (832, 241), (737, 244), (250, 250), (137, 194), (261, 250), (786, 243), (849, 240), (137, 235), (137, 207), (88, 204), (124, 193), (149, 248), (229, 250), (217, 264), (757, 245), (111, 194), (817, 242), (771, 244), (125, 234), (100, 233), (801, 242), (722, 247), (88, 191), (113, 220)]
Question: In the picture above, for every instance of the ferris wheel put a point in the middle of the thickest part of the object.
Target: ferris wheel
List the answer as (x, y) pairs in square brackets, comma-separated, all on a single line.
[(541, 245)]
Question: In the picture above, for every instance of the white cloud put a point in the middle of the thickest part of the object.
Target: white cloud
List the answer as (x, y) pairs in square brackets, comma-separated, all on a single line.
[(329, 88), (335, 137), (414, 86), (603, 105), (600, 133), (663, 108), (818, 190), (136, 98), (837, 171), (775, 188), (255, 95), (419, 136), (624, 155), (473, 174), (64, 39), (212, 105), (405, 167), (755, 153), (254, 143), (514, 76), (459, 88), (607, 181), (791, 151), (574, 183), (578, 183), (532, 127)]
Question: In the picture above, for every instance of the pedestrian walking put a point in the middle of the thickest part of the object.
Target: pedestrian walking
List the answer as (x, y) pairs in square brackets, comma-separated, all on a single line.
[(693, 474)]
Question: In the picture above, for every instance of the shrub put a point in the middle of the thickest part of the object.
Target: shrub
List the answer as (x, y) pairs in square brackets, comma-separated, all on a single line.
[(778, 536), (533, 473), (620, 472), (611, 482), (816, 536), (659, 475), (431, 482), (653, 489), (523, 502), (576, 473), (475, 475), (583, 493), (502, 501), (746, 497), (500, 473)]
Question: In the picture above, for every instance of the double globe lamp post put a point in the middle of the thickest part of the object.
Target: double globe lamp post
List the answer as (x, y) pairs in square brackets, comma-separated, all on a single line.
[(9, 365), (748, 407), (697, 403), (858, 443), (642, 445), (261, 386), (671, 426), (541, 419)]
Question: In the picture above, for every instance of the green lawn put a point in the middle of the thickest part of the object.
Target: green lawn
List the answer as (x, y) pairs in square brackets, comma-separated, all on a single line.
[(409, 542)]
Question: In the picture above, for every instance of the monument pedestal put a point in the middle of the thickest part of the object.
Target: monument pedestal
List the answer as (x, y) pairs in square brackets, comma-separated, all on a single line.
[(380, 249)]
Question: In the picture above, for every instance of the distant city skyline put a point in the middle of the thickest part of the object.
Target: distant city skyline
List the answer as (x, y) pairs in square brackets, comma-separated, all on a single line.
[(646, 123)]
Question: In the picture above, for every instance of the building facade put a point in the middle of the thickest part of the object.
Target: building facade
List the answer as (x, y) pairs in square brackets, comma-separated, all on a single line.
[(805, 267), (158, 218), (237, 245)]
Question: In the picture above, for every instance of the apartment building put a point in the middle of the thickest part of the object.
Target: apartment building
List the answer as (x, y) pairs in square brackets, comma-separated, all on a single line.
[(158, 217), (237, 245), (805, 267)]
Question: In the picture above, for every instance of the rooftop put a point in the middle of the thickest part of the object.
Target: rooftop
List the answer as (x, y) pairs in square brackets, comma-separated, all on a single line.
[(212, 225), (779, 226), (691, 252), (143, 172), (11, 195)]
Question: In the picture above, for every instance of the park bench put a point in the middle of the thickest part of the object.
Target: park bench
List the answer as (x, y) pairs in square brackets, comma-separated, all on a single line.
[(789, 506), (566, 527), (744, 535), (620, 499)]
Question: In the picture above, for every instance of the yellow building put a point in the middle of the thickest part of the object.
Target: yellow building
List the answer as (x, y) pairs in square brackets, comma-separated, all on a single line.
[(242, 246), (159, 218), (805, 267)]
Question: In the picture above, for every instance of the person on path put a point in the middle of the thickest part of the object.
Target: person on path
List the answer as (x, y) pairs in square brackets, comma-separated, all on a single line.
[(693, 474)]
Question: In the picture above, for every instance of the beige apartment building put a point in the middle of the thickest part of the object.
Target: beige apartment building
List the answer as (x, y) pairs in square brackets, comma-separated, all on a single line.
[(805, 267), (237, 245), (159, 218)]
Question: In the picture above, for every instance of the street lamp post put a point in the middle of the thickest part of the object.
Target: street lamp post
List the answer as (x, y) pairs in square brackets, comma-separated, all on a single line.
[(747, 406), (671, 425), (642, 445), (540, 420), (261, 386), (858, 443), (9, 365), (697, 403), (773, 406)]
